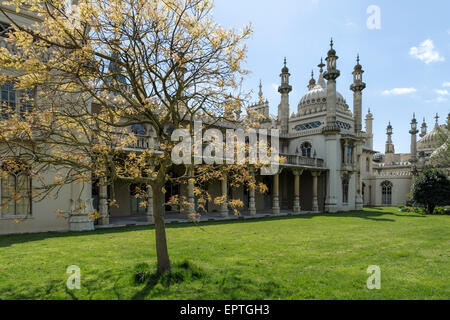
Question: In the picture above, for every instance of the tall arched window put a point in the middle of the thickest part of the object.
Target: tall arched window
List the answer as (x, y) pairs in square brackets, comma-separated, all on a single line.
[(16, 194), (367, 165), (386, 193), (345, 190), (306, 148)]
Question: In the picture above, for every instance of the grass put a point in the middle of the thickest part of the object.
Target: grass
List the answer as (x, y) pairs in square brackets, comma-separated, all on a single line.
[(310, 257)]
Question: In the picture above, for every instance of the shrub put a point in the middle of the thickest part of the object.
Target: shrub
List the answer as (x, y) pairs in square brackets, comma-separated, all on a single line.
[(431, 189)]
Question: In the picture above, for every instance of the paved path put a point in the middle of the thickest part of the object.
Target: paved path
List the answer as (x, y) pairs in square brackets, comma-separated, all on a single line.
[(182, 218)]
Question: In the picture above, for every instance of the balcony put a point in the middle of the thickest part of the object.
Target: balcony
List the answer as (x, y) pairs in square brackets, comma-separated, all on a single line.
[(296, 160)]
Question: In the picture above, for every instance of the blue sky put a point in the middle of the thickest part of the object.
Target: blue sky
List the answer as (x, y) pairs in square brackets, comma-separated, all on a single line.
[(407, 61)]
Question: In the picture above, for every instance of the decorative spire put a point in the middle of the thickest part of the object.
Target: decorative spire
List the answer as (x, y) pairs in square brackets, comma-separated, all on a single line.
[(285, 68), (260, 94), (332, 52), (321, 65), (312, 82), (437, 120)]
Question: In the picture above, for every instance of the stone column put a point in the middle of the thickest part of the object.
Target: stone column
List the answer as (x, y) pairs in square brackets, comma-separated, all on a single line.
[(276, 194), (103, 202), (190, 193), (149, 213), (359, 201), (252, 202), (315, 175), (224, 205), (297, 206)]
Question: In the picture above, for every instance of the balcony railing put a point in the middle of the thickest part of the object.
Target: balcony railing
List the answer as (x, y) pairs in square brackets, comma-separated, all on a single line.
[(292, 159)]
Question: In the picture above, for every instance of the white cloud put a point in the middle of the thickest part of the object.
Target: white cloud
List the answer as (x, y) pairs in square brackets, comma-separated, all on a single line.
[(442, 92), (399, 91), (441, 99), (446, 84), (425, 52)]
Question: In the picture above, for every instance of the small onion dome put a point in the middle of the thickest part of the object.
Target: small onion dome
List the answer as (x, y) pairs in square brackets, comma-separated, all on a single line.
[(285, 68), (332, 52), (358, 66)]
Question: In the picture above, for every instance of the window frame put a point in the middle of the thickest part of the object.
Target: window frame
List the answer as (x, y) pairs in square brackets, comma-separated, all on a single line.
[(16, 187), (23, 103), (386, 193)]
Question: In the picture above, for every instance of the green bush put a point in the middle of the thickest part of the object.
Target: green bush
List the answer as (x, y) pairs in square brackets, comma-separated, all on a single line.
[(431, 189)]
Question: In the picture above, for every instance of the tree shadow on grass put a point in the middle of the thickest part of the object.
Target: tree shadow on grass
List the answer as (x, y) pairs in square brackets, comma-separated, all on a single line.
[(372, 213), (160, 284)]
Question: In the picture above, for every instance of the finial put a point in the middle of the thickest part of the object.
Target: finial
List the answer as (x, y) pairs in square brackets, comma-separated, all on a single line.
[(260, 94), (331, 43), (312, 74), (437, 120), (369, 111), (414, 115), (321, 65), (357, 59), (285, 61)]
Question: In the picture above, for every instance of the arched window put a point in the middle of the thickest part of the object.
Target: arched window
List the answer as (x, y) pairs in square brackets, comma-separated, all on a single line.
[(386, 193), (345, 190), (16, 193), (367, 165), (306, 148), (138, 129)]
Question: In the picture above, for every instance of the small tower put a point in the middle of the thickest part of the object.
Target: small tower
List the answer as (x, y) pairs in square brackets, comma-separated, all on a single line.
[(283, 108), (312, 82), (259, 111), (423, 129), (414, 133), (389, 145), (369, 129), (357, 87), (331, 75)]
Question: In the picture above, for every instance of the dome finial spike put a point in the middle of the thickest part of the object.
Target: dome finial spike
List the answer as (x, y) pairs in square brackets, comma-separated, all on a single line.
[(357, 59), (331, 43), (260, 94), (321, 65), (285, 62)]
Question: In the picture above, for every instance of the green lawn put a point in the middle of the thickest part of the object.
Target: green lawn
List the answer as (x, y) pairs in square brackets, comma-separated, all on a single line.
[(309, 257)]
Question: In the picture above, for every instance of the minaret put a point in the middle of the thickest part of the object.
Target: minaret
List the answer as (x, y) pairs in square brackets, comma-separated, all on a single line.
[(369, 130), (332, 137), (312, 82), (424, 129), (331, 75), (357, 87), (283, 108), (414, 133), (389, 145)]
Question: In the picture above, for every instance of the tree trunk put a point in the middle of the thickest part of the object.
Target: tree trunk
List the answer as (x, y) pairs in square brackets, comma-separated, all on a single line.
[(162, 252), (430, 208)]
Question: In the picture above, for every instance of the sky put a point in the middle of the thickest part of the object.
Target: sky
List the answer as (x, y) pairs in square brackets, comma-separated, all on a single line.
[(404, 48)]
